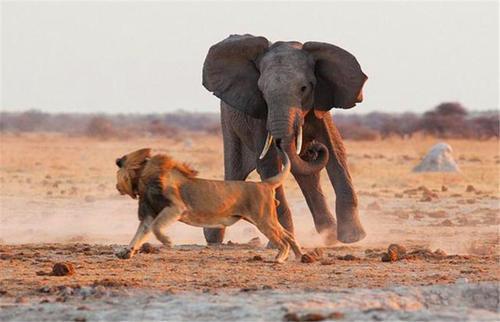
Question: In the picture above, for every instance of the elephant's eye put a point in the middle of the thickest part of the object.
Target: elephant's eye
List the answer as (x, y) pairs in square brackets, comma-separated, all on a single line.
[(303, 89)]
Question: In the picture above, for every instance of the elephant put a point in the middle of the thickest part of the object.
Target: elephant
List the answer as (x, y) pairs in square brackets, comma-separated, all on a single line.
[(281, 94)]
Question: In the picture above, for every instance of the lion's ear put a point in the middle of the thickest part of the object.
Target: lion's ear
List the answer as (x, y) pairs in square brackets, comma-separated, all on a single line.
[(137, 158)]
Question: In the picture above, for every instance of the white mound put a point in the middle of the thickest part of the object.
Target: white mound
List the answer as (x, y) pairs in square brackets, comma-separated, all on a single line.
[(438, 159)]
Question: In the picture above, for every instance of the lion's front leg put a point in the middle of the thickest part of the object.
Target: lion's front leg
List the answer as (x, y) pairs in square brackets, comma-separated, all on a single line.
[(142, 234)]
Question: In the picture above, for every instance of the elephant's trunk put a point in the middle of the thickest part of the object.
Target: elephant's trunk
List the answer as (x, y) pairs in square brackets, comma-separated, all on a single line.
[(287, 133)]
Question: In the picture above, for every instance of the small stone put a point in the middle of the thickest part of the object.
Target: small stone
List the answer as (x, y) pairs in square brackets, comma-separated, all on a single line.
[(147, 248), (63, 269), (249, 289), (444, 188), (446, 223), (257, 258), (5, 256), (386, 258), (470, 188), (347, 257), (394, 253), (440, 253), (307, 258)]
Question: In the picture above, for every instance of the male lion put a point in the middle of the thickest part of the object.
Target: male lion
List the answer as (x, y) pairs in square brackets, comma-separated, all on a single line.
[(169, 191)]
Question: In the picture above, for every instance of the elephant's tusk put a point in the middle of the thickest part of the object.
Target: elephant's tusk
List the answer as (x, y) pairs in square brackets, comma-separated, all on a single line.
[(299, 140), (269, 140)]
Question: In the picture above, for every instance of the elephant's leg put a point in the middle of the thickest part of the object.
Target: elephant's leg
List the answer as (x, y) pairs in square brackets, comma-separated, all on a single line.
[(323, 218), (349, 229), (238, 163)]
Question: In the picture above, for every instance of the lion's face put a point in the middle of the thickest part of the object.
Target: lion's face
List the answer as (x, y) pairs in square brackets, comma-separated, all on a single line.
[(128, 173)]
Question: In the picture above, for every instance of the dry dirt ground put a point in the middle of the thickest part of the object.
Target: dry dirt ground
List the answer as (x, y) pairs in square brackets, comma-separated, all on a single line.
[(58, 204)]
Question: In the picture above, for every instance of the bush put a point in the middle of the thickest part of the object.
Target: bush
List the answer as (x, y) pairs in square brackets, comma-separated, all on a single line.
[(100, 127)]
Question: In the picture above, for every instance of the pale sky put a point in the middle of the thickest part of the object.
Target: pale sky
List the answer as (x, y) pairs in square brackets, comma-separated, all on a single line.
[(144, 57)]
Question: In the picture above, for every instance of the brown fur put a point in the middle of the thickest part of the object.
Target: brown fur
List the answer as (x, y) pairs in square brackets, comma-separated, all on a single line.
[(169, 191)]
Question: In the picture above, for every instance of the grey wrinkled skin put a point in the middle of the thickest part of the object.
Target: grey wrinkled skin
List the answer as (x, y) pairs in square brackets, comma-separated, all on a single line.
[(279, 88)]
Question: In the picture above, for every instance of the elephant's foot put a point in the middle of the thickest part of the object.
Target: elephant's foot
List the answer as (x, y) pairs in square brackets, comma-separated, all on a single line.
[(214, 236), (350, 230)]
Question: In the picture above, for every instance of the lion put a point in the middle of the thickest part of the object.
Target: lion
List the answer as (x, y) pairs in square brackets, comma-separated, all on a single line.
[(169, 191)]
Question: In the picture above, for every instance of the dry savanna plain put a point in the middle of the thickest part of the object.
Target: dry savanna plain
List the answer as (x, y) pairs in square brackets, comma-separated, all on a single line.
[(58, 204)]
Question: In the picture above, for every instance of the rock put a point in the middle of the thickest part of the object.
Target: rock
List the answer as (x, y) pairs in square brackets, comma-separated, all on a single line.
[(147, 248), (347, 257), (307, 259), (386, 257), (438, 159), (440, 253), (5, 256), (312, 256), (470, 188), (394, 253), (63, 269), (446, 223), (444, 188), (256, 258)]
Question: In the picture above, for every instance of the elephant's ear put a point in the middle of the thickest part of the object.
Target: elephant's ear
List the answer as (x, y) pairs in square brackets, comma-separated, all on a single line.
[(231, 74), (339, 78)]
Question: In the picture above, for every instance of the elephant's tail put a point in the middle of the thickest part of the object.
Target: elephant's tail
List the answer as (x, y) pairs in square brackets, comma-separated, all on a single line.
[(278, 179)]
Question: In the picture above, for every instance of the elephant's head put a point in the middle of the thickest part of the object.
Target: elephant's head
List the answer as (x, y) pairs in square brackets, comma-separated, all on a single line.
[(281, 83)]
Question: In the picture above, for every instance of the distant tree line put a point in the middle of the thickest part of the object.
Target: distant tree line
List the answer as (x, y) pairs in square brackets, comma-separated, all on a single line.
[(109, 126), (447, 120)]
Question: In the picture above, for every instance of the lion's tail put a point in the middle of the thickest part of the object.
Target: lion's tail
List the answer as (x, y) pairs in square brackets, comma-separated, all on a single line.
[(278, 179)]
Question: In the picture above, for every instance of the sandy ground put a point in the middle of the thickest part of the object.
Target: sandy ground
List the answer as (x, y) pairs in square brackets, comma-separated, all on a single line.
[(58, 204)]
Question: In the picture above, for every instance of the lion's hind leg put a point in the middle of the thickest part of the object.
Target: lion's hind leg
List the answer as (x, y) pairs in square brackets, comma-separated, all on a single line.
[(275, 233), (293, 243)]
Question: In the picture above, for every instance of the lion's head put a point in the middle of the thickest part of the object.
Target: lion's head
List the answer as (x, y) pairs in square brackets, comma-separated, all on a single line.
[(129, 171)]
